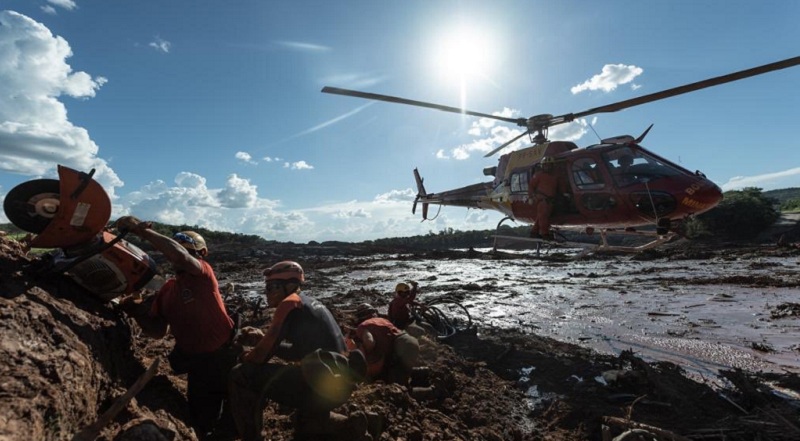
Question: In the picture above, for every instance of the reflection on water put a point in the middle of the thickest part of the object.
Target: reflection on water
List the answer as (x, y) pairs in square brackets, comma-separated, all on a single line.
[(700, 314)]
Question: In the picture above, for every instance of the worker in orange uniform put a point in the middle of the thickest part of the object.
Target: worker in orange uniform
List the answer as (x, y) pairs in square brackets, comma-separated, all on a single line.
[(315, 376), (391, 353), (190, 307), (543, 188)]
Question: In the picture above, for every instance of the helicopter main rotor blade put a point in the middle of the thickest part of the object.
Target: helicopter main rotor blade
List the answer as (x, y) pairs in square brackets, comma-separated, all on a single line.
[(394, 99), (501, 147), (679, 90)]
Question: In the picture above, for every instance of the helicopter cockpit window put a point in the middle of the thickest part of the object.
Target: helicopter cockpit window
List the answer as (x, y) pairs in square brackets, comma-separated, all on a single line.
[(519, 182), (586, 175), (629, 166)]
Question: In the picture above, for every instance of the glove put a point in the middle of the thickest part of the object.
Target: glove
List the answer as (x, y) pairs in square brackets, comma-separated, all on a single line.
[(132, 224)]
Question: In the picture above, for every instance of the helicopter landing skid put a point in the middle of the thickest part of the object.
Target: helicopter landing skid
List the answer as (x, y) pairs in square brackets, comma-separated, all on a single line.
[(658, 239)]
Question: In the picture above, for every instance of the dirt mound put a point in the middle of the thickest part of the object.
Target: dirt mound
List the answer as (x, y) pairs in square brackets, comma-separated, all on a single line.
[(68, 357)]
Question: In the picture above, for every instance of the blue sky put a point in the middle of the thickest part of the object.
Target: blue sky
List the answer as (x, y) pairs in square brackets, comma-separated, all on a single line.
[(210, 112)]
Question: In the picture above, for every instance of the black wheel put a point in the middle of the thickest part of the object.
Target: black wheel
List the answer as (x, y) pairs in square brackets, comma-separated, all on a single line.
[(33, 204)]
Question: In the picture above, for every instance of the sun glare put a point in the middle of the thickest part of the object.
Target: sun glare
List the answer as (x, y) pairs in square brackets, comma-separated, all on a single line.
[(463, 55)]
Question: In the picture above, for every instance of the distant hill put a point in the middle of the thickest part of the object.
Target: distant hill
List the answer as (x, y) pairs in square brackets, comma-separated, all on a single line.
[(783, 195)]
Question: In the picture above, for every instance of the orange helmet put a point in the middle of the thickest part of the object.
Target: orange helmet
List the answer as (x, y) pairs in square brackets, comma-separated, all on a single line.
[(285, 270), (365, 311)]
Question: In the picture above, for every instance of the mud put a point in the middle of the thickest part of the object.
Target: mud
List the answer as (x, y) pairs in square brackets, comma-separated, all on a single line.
[(688, 342)]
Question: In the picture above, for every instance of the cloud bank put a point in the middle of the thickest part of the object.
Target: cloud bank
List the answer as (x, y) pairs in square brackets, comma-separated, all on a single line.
[(35, 132)]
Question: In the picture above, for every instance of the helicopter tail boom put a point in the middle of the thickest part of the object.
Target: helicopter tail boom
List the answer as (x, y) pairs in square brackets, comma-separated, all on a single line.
[(471, 196)]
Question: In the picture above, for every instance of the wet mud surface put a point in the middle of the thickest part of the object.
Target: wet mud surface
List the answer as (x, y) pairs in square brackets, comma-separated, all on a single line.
[(719, 310), (685, 343)]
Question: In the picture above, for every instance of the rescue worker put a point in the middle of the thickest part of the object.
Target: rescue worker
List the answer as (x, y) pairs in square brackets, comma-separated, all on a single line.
[(543, 188), (400, 306), (189, 306), (318, 378), (390, 352)]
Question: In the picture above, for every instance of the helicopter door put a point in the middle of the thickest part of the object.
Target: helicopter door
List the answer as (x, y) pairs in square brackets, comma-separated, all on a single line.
[(591, 192)]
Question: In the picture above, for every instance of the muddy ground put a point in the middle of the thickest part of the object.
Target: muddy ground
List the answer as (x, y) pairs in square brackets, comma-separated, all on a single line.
[(66, 357)]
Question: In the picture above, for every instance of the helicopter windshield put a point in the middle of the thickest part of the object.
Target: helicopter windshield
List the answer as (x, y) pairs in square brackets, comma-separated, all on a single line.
[(629, 166)]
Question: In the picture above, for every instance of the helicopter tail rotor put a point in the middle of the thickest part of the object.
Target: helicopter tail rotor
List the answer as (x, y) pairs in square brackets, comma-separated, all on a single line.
[(421, 194)]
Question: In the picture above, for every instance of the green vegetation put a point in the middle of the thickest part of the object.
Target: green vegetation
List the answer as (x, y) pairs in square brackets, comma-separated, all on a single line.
[(791, 206), (212, 237), (788, 199), (448, 238), (783, 195), (742, 215)]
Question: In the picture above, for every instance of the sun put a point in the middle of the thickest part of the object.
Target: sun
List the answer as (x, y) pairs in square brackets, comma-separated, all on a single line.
[(463, 55)]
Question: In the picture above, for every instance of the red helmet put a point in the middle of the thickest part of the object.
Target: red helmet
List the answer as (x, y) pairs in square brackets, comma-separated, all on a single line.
[(286, 270)]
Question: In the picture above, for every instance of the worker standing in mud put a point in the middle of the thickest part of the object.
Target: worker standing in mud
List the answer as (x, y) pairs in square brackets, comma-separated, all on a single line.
[(318, 378), (543, 188), (190, 306), (391, 353)]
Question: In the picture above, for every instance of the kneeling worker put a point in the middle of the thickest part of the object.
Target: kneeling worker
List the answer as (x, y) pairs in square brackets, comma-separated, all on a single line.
[(302, 330), (391, 353)]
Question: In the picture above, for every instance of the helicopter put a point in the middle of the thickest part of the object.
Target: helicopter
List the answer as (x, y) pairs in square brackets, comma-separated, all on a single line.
[(616, 186)]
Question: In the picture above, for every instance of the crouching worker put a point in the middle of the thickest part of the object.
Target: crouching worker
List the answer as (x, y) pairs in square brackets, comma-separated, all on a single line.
[(317, 379), (390, 352), (189, 305)]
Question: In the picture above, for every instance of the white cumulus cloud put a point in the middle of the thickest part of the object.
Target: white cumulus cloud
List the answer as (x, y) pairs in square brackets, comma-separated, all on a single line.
[(35, 132), (612, 76), (246, 158), (299, 165), (238, 193)]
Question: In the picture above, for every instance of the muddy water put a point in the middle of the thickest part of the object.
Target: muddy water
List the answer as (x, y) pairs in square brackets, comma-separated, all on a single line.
[(703, 315)]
